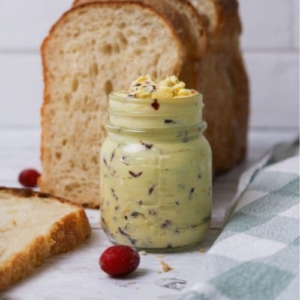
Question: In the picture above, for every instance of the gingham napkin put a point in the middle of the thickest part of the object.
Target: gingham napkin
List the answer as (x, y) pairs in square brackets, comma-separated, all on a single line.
[(257, 254)]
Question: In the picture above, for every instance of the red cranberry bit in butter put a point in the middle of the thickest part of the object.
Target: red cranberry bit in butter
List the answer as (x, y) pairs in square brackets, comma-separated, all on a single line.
[(148, 146), (155, 104)]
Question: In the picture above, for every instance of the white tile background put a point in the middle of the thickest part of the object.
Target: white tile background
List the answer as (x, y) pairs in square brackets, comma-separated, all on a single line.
[(270, 43)]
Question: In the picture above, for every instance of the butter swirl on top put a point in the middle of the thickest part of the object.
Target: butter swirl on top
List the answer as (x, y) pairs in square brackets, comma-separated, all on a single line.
[(170, 87)]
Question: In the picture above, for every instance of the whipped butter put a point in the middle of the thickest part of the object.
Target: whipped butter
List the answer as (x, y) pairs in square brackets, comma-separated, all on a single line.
[(156, 167), (171, 87)]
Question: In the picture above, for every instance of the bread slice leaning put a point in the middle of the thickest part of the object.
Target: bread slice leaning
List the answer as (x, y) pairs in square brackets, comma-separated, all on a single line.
[(221, 17), (188, 26), (34, 226), (222, 66), (183, 17), (93, 49)]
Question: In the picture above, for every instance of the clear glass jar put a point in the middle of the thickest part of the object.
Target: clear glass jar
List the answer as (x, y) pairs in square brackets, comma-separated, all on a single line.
[(156, 176)]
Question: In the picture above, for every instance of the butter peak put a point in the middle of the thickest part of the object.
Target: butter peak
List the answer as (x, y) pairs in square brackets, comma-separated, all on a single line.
[(170, 87)]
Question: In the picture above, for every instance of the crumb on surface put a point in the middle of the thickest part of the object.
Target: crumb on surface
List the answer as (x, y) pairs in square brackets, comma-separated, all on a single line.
[(160, 256), (165, 267), (202, 250), (142, 252)]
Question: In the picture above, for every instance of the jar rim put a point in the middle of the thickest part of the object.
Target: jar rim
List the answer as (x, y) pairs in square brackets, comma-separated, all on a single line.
[(122, 96), (154, 113)]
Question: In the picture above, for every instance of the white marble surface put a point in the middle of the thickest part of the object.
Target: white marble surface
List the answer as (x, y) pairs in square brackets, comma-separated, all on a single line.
[(76, 275)]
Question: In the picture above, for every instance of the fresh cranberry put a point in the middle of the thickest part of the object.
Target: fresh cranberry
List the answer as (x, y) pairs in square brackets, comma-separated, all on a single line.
[(29, 177), (119, 260)]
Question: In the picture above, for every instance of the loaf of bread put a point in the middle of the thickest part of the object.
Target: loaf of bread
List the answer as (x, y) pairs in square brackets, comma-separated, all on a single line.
[(34, 226), (100, 46)]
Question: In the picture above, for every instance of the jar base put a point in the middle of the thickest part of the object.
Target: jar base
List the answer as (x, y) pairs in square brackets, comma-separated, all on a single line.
[(159, 250)]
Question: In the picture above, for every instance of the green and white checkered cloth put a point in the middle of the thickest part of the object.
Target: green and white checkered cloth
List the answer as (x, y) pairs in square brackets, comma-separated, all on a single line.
[(257, 254)]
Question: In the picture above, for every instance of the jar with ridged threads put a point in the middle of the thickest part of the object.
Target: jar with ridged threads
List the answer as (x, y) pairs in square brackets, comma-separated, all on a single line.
[(155, 173)]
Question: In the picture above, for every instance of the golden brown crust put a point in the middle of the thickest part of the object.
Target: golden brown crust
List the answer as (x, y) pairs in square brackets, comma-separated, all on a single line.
[(63, 235), (69, 232), (228, 19), (23, 264), (189, 12), (29, 193)]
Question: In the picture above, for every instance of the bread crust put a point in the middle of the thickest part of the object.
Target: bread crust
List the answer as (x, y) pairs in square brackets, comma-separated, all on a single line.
[(63, 236), (224, 20), (228, 19)]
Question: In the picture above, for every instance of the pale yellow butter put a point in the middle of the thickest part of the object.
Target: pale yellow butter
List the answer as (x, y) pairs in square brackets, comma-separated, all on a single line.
[(156, 167), (171, 87)]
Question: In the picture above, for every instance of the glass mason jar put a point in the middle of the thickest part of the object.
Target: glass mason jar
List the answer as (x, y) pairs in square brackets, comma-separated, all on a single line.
[(156, 180)]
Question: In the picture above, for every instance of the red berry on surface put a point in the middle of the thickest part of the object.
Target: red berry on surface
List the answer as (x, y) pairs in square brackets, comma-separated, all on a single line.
[(119, 260), (29, 177)]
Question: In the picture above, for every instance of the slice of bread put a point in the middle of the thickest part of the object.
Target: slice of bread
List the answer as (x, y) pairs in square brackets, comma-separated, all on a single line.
[(220, 17), (93, 49), (222, 66), (183, 17), (187, 24), (34, 226)]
